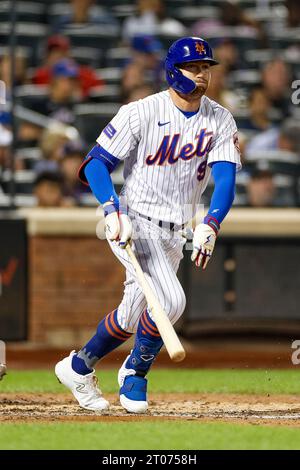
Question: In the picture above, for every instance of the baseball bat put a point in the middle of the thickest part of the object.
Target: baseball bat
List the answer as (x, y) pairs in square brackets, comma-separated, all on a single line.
[(164, 326)]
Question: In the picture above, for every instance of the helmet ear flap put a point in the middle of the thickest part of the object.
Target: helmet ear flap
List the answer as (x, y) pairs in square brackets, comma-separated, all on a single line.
[(177, 80)]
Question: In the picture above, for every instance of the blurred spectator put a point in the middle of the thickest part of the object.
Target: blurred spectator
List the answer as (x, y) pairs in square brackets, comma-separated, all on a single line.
[(145, 66), (59, 104), (259, 106), (48, 189), (138, 93), (293, 16), (63, 92), (276, 80), (286, 138), (261, 190), (72, 156), (218, 92), (20, 71), (206, 27), (52, 143), (226, 53), (230, 14), (5, 151), (5, 141), (146, 51), (132, 77), (151, 19), (83, 13), (5, 116), (233, 14), (58, 48), (5, 76)]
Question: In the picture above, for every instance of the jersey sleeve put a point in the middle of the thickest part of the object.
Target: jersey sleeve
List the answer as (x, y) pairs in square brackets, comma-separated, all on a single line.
[(122, 134), (225, 145)]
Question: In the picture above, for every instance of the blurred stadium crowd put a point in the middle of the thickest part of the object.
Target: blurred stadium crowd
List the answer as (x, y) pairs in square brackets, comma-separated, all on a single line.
[(77, 61)]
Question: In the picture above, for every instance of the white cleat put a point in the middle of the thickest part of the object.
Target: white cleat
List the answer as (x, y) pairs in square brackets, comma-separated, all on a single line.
[(133, 390), (84, 387)]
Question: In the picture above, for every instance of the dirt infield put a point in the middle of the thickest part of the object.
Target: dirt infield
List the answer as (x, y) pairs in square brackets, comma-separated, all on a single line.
[(254, 409)]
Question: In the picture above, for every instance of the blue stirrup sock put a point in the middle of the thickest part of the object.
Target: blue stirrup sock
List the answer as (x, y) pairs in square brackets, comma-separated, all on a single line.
[(147, 345), (109, 336)]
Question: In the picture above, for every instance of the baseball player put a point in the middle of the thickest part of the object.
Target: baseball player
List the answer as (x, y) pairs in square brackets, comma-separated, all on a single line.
[(170, 142)]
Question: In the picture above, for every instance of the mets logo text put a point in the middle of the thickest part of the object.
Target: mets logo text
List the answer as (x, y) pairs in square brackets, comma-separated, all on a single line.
[(167, 153)]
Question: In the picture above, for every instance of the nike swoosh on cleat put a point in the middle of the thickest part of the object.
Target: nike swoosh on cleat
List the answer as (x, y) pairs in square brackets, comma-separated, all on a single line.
[(163, 123)]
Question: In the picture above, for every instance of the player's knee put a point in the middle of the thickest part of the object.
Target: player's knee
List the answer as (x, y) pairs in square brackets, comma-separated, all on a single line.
[(176, 305), (129, 321), (123, 321), (181, 307)]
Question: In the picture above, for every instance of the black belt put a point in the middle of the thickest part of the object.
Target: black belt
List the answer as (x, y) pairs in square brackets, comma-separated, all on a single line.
[(163, 224)]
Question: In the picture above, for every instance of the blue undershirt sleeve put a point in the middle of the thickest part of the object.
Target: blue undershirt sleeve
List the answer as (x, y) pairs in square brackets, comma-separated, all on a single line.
[(100, 182), (224, 190), (96, 171)]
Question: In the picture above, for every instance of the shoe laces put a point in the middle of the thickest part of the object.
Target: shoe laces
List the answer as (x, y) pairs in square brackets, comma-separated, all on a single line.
[(93, 386)]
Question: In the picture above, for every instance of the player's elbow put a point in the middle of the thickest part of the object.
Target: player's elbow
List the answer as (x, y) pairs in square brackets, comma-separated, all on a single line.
[(231, 193)]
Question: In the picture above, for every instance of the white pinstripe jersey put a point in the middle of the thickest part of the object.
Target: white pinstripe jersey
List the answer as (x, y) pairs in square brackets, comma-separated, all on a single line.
[(167, 155)]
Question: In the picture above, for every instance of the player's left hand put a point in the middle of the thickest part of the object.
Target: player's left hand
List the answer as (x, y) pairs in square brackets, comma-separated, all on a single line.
[(203, 244)]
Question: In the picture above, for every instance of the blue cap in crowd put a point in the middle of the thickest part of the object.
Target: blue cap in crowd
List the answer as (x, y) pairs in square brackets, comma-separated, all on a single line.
[(65, 68), (147, 44)]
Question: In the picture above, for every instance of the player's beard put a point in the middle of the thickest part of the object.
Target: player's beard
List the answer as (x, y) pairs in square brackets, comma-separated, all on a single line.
[(195, 96), (199, 91)]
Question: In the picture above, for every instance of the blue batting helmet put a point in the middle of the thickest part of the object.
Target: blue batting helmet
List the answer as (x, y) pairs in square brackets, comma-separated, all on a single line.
[(186, 50)]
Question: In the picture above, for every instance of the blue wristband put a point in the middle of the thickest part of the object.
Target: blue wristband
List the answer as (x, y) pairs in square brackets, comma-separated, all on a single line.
[(212, 222), (109, 209)]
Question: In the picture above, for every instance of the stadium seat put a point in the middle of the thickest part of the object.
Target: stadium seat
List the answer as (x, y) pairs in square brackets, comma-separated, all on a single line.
[(111, 75), (24, 180), (26, 94), (92, 36), (123, 11), (244, 78), (105, 94), (20, 200), (283, 38), (117, 56), (258, 57), (92, 118), (29, 156), (28, 35), (32, 12), (88, 56), (188, 15), (243, 3), (245, 39)]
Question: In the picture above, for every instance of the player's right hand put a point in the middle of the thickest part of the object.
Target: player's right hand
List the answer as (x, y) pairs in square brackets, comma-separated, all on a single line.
[(118, 226)]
